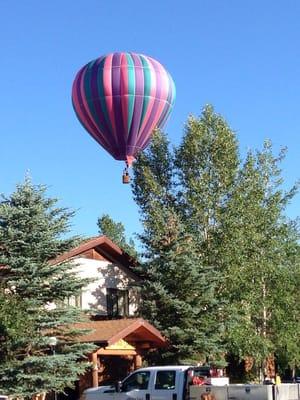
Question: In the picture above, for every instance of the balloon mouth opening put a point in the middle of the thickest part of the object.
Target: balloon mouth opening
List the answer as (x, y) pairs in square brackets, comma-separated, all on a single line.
[(129, 160)]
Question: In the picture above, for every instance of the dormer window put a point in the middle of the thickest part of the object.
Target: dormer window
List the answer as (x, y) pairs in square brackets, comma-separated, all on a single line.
[(117, 302)]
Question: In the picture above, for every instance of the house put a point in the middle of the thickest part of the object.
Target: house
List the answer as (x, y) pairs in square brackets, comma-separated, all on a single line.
[(113, 293), (121, 336)]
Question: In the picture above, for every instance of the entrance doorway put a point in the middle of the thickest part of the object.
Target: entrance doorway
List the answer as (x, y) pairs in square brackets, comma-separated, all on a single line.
[(114, 368)]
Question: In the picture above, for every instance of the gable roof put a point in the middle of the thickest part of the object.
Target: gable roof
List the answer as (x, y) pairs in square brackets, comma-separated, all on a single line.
[(108, 332), (104, 246)]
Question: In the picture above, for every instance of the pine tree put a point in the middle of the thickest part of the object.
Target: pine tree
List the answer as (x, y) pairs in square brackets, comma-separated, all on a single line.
[(179, 299), (15, 323), (32, 230), (116, 232)]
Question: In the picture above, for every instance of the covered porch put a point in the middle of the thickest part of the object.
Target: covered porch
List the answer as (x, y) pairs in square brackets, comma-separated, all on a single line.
[(122, 344)]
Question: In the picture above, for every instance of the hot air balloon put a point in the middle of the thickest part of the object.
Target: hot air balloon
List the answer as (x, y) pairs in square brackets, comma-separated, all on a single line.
[(120, 99)]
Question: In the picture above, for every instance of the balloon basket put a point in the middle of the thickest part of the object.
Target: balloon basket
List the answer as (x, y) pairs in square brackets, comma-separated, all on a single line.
[(126, 177)]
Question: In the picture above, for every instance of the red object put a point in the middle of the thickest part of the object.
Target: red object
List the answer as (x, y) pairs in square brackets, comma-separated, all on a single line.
[(198, 380)]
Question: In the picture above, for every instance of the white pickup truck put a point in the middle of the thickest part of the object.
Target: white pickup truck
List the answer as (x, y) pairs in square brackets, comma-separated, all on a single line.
[(182, 383), (155, 383)]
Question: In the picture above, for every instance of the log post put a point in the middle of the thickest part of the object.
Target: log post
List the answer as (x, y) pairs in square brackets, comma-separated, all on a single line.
[(137, 361), (94, 360)]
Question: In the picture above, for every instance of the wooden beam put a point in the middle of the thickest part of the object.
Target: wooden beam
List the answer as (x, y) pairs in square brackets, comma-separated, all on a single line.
[(112, 352), (145, 345)]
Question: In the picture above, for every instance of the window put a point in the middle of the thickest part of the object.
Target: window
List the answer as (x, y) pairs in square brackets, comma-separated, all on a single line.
[(117, 303), (138, 380), (165, 380)]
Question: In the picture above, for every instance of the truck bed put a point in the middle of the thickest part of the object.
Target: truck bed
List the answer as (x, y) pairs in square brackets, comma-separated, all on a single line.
[(285, 391)]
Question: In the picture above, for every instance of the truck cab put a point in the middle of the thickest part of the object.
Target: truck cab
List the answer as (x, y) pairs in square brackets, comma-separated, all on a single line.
[(151, 383)]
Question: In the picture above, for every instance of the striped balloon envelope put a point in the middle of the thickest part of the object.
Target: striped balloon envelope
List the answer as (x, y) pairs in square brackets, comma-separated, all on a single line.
[(120, 98)]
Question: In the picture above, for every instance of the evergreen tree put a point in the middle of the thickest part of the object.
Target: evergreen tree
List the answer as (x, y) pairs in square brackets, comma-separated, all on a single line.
[(179, 299), (116, 232), (32, 230), (15, 323)]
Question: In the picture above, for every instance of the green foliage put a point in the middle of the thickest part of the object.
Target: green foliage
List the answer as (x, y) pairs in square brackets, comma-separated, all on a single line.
[(180, 301), (262, 261), (32, 231), (116, 232), (153, 189), (207, 163), (179, 293), (15, 323), (227, 218)]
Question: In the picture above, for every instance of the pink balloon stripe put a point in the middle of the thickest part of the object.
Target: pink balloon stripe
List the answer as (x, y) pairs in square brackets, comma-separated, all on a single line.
[(83, 111), (124, 94), (107, 86)]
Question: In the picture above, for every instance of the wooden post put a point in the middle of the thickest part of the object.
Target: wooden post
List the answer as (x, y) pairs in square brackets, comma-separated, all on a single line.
[(94, 359), (137, 361)]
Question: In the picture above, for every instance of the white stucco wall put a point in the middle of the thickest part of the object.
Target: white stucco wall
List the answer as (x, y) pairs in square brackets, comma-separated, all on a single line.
[(106, 275)]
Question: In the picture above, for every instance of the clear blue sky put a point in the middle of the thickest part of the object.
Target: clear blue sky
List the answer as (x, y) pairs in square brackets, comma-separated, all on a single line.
[(241, 56)]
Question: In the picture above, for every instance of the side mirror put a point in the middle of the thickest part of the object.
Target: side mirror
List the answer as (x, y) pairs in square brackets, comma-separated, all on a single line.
[(118, 386)]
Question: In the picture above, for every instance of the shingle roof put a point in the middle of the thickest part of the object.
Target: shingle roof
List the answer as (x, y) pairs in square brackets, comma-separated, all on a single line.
[(108, 332)]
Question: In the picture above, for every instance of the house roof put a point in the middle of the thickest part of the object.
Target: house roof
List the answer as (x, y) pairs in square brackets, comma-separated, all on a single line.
[(108, 332), (104, 246)]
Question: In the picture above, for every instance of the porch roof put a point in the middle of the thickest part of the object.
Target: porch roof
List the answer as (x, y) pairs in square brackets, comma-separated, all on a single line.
[(132, 330)]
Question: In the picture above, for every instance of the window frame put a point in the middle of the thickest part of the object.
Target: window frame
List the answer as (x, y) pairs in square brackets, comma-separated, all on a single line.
[(117, 302)]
